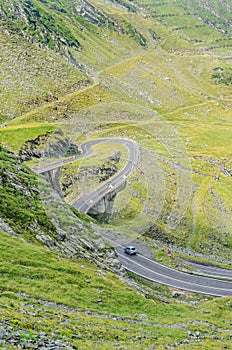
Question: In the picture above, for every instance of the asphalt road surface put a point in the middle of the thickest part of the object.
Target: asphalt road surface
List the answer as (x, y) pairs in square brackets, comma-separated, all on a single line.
[(156, 272), (89, 199), (210, 270), (138, 264)]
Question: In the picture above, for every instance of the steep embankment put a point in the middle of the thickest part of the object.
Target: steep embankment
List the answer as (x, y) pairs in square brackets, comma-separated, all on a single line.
[(34, 212), (155, 72)]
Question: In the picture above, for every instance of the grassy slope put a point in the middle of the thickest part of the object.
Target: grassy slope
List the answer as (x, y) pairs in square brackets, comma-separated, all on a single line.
[(215, 13), (160, 92), (172, 75), (41, 293), (34, 75), (21, 205), (31, 77)]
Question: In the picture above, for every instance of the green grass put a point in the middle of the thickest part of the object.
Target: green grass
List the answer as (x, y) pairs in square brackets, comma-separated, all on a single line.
[(31, 208), (198, 114), (148, 78), (85, 169), (211, 12), (66, 106), (21, 204), (30, 278), (174, 14), (82, 285), (14, 137), (208, 139), (40, 18), (162, 188), (32, 77)]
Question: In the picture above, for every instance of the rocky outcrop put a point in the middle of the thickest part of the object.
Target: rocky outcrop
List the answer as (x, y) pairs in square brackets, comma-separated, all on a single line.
[(33, 211), (9, 337), (128, 5), (5, 227), (53, 178), (41, 24), (48, 145), (157, 233), (91, 14), (99, 173)]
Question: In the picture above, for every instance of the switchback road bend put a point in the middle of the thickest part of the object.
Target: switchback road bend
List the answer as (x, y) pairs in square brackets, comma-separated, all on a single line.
[(139, 264)]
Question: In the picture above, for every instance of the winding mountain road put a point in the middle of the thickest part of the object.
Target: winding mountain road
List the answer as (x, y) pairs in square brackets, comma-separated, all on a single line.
[(156, 272), (88, 200), (140, 264)]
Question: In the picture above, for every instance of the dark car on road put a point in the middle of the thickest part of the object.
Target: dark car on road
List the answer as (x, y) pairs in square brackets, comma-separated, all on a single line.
[(130, 250)]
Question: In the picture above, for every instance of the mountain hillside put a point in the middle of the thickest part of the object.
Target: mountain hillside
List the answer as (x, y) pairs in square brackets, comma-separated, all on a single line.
[(157, 73), (102, 69), (35, 213)]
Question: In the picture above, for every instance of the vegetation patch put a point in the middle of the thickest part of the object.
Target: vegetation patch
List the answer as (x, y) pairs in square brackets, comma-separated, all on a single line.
[(14, 137), (21, 205), (94, 308), (155, 72), (222, 75)]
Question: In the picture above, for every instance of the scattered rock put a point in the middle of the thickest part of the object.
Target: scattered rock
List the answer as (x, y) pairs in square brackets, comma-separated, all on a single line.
[(177, 294)]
